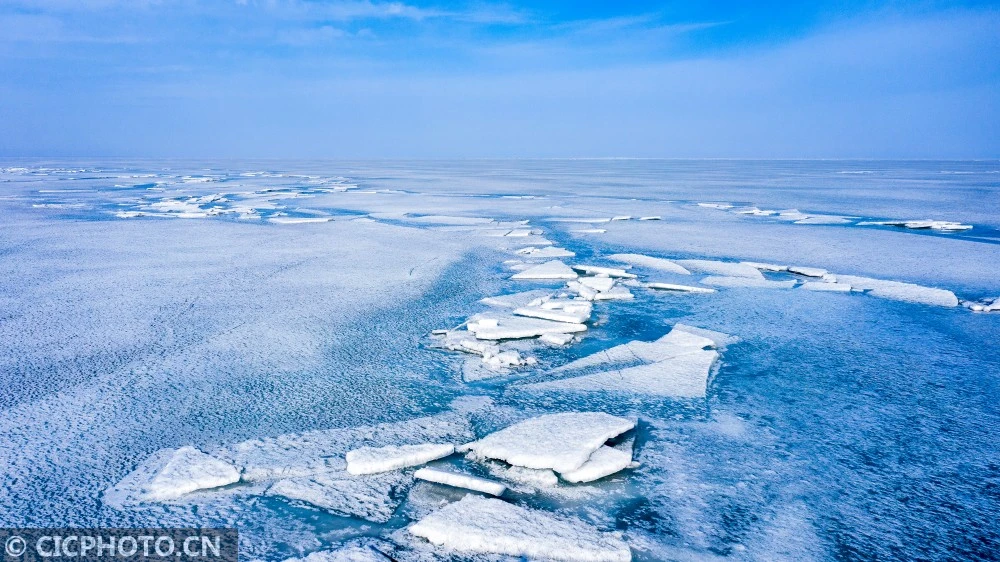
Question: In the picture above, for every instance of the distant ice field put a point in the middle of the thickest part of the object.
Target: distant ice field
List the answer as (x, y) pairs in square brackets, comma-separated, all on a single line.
[(792, 362)]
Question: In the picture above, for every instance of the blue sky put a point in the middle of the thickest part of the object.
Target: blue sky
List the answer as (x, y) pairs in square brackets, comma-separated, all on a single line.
[(370, 79)]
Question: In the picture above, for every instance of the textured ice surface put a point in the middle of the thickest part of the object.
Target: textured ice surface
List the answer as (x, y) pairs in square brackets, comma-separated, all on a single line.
[(125, 330), (458, 480), (477, 525), (371, 460), (650, 262), (562, 442)]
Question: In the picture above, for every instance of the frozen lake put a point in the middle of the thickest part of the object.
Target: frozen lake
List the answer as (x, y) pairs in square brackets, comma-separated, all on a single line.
[(267, 313)]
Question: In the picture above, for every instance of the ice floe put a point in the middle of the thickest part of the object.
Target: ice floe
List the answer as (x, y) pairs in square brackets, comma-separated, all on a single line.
[(554, 269), (826, 287), (896, 290), (650, 262), (559, 310), (926, 224), (476, 525), (613, 294), (678, 288), (723, 281), (517, 300), (807, 271), (458, 480), (985, 305), (728, 269), (609, 271), (546, 252), (368, 497), (516, 327), (172, 473), (604, 462), (371, 460), (562, 442), (682, 376), (766, 266), (603, 283), (321, 451)]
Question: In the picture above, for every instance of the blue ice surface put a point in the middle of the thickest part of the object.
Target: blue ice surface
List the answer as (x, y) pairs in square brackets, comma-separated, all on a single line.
[(839, 427)]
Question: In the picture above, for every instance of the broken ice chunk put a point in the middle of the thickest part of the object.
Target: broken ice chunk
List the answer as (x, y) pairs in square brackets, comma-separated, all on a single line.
[(554, 269), (187, 470), (728, 269), (367, 497), (650, 218), (536, 478), (615, 293), (514, 327), (766, 266), (589, 231), (597, 283), (517, 300), (827, 287), (681, 288), (556, 339), (650, 262), (922, 224), (679, 341), (570, 311), (371, 460), (476, 525), (547, 252), (609, 271), (807, 271), (604, 462), (562, 442), (682, 376), (896, 290), (747, 282), (460, 481)]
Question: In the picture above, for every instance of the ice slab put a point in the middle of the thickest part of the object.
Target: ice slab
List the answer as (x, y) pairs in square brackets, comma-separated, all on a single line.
[(546, 252), (826, 287), (369, 497), (597, 283), (476, 525), (517, 300), (651, 218), (651, 262), (896, 290), (681, 288), (562, 442), (556, 339), (554, 269), (728, 269), (604, 462), (589, 231), (515, 327), (823, 219), (682, 376), (718, 281), (807, 271), (680, 340), (614, 294), (457, 480), (561, 310), (371, 460), (766, 266), (351, 553), (170, 474), (923, 224), (315, 452), (535, 478), (609, 271)]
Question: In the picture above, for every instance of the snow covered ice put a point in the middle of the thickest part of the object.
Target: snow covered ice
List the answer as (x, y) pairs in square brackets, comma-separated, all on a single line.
[(490, 526), (205, 345)]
